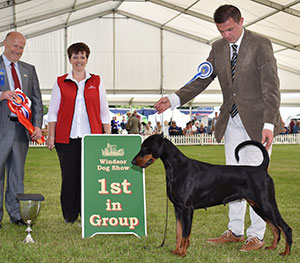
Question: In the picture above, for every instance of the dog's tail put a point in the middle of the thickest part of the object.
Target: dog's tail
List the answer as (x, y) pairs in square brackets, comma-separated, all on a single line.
[(266, 159)]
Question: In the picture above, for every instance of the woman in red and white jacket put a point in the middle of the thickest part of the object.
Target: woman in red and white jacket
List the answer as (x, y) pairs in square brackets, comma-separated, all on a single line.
[(78, 107)]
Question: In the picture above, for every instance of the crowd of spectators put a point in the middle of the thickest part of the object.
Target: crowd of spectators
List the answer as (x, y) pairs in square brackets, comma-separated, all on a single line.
[(132, 124), (293, 127)]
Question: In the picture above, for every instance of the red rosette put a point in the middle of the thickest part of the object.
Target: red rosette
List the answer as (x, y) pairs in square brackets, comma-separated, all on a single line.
[(21, 109)]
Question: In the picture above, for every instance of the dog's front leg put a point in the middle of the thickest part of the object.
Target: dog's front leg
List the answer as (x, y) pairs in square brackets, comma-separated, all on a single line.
[(183, 231), (178, 237)]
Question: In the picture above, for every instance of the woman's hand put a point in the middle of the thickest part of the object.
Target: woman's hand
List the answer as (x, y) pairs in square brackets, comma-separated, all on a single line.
[(50, 142)]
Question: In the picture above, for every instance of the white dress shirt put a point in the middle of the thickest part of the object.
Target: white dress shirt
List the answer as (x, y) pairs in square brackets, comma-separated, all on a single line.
[(9, 76), (80, 124), (8, 72)]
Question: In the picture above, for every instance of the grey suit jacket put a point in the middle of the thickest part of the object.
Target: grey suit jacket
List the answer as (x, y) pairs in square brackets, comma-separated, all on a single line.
[(255, 88), (30, 86)]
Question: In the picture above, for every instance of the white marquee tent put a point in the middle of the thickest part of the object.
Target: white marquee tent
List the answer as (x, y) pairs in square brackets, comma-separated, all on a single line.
[(143, 49)]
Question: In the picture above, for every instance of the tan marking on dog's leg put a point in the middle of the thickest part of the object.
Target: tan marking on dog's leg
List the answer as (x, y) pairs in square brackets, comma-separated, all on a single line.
[(189, 240), (287, 248), (184, 245), (178, 238), (275, 236)]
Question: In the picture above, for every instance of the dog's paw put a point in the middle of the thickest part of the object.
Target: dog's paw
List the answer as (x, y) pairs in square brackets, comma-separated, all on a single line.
[(179, 253), (270, 247), (284, 253)]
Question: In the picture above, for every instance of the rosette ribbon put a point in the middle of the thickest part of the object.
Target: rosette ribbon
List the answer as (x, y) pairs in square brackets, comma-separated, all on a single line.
[(205, 70), (21, 108)]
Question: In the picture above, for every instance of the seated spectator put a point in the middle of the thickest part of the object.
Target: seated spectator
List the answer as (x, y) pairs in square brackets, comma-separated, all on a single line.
[(147, 130), (166, 128), (202, 129), (285, 130), (188, 129), (174, 129), (296, 128), (158, 128), (150, 124), (291, 126), (142, 129), (195, 127)]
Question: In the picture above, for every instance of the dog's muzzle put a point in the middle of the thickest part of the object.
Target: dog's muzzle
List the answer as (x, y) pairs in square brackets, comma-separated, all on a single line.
[(143, 162)]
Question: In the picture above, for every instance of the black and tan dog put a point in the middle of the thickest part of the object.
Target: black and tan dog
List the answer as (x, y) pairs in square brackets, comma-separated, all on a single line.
[(193, 184)]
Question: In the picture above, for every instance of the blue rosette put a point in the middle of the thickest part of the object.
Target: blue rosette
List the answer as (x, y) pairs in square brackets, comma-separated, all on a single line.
[(205, 70)]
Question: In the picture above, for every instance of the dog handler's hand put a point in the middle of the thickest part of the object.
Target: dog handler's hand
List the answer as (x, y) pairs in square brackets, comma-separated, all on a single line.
[(267, 137), (162, 105)]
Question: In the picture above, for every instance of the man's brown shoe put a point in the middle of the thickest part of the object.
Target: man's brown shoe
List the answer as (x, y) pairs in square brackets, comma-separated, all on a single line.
[(252, 243), (226, 237)]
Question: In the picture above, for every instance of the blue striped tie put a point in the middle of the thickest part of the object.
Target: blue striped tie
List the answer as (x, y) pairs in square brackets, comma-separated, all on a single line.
[(234, 110)]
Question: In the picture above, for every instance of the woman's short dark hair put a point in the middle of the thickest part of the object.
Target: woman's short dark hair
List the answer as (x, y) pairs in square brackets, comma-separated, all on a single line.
[(224, 12), (78, 47)]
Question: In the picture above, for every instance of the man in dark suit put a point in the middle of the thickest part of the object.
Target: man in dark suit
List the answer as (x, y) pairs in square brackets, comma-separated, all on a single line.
[(14, 138), (246, 69)]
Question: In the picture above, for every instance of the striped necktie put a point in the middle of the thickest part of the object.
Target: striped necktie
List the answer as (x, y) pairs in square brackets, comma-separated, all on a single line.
[(233, 60), (234, 110)]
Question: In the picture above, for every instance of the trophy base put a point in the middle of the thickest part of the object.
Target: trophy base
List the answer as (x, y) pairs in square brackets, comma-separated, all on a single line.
[(29, 239)]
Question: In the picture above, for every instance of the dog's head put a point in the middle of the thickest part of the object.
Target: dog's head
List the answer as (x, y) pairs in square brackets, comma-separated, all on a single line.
[(151, 149)]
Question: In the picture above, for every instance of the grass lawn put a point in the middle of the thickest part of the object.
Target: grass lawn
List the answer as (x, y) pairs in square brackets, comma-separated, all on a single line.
[(59, 242)]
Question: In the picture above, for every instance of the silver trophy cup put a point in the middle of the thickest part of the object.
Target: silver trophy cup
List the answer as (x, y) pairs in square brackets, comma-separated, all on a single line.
[(30, 205)]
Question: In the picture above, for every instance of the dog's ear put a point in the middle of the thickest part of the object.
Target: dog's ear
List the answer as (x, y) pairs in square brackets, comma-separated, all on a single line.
[(155, 144)]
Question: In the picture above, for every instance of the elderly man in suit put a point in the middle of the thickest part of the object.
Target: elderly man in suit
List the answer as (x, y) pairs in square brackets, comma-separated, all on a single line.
[(14, 138), (246, 69)]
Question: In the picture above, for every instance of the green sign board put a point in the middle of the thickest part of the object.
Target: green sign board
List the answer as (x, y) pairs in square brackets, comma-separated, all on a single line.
[(113, 190)]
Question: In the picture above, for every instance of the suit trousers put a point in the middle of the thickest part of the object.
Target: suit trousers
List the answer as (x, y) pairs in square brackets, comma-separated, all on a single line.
[(250, 155), (70, 163), (13, 151)]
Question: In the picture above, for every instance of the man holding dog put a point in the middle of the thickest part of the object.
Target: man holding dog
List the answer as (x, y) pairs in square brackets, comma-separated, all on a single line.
[(246, 69)]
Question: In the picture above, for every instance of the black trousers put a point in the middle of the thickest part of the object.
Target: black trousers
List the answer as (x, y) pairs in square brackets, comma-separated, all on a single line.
[(70, 163)]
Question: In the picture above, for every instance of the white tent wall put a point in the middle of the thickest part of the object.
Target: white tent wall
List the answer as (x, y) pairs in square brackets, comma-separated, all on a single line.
[(47, 54), (133, 57), (181, 58), (98, 35), (289, 82), (137, 56)]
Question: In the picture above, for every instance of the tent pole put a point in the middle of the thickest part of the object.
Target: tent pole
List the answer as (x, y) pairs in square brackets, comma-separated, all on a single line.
[(161, 71), (66, 46), (114, 52)]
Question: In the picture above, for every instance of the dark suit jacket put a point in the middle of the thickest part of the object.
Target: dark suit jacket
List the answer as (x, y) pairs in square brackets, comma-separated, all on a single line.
[(30, 86), (255, 89)]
